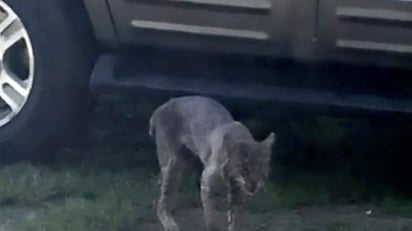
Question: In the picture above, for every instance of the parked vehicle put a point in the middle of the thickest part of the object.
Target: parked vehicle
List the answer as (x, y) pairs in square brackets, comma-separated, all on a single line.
[(56, 53)]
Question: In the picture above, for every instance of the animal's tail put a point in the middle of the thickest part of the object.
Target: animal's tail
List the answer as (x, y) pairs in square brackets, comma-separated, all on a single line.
[(152, 122), (153, 118), (151, 126)]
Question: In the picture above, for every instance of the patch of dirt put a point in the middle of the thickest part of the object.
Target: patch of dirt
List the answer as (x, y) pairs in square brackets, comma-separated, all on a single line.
[(336, 218)]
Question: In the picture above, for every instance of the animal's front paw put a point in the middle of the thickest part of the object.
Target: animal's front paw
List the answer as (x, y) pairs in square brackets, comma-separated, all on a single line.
[(231, 219), (173, 227), (170, 225)]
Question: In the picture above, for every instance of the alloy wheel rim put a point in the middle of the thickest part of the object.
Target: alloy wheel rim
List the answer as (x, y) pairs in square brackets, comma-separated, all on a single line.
[(16, 64)]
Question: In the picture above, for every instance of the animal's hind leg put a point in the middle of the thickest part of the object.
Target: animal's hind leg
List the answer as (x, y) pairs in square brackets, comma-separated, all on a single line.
[(170, 181), (164, 151)]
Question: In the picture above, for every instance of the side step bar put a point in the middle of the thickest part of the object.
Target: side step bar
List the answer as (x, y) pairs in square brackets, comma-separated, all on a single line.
[(104, 81)]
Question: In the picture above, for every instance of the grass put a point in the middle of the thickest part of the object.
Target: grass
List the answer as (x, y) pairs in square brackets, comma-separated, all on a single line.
[(341, 226), (81, 199), (78, 200), (396, 205), (305, 188)]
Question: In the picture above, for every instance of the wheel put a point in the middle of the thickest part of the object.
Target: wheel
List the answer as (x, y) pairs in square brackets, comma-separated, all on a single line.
[(46, 56)]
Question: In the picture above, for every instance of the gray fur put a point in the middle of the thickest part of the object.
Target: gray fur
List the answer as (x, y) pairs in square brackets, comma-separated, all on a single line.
[(233, 161)]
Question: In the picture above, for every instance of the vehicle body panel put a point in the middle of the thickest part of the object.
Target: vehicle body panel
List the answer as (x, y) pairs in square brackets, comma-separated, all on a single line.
[(373, 32), (377, 32), (101, 20), (257, 27)]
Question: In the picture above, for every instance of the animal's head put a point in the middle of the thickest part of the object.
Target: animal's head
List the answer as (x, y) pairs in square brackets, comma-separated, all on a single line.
[(248, 163)]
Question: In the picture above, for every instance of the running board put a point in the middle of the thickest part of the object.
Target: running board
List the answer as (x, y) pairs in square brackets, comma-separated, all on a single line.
[(104, 81)]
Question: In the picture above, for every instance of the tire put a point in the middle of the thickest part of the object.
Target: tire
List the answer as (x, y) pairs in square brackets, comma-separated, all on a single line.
[(59, 101)]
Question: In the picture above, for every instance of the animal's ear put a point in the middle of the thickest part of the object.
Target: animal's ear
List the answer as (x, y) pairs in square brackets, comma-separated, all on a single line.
[(267, 146), (269, 140)]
